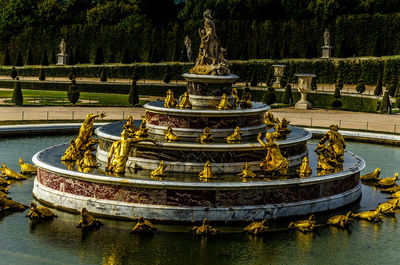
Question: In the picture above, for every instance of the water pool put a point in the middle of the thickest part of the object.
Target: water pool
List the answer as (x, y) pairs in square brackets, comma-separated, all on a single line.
[(60, 242)]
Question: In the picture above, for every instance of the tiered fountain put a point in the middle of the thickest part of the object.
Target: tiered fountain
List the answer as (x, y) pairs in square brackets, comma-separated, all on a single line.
[(242, 177)]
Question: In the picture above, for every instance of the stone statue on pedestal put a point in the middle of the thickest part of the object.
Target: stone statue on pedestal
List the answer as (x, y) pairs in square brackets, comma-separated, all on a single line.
[(327, 35), (188, 44), (62, 56), (327, 48), (63, 47)]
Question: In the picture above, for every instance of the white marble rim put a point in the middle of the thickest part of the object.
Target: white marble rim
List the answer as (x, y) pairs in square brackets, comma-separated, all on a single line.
[(371, 135), (191, 185), (210, 78), (198, 97), (206, 112)]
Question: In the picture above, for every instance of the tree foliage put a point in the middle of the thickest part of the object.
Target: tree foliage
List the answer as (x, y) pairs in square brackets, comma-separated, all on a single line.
[(133, 98), (17, 96)]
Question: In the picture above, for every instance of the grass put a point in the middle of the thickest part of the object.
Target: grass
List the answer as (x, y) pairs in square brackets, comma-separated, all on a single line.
[(54, 98)]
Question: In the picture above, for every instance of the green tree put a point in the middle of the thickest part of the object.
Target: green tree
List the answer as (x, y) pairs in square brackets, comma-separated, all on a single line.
[(269, 96), (73, 92), (18, 60), (43, 59), (167, 76), (103, 77), (14, 73), (360, 87), (385, 80), (135, 74), (133, 98), (392, 86), (378, 88), (287, 95), (98, 56), (7, 60), (17, 96), (385, 104), (125, 56), (42, 75), (29, 57), (72, 74)]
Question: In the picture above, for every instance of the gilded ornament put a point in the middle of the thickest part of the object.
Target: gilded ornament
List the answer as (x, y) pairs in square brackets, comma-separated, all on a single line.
[(305, 169), (370, 216), (246, 172), (236, 137), (169, 135), (72, 153), (391, 190), (246, 102), (396, 195), (184, 103), (129, 127), (389, 182), (143, 131), (205, 229), (224, 103), (26, 168), (304, 225), (84, 140), (40, 212), (3, 182), (87, 163), (159, 171), (170, 101), (142, 226), (330, 156), (9, 205), (373, 176), (274, 160), (206, 137), (282, 129), (88, 221), (235, 96), (257, 227), (10, 174), (387, 208), (341, 221), (207, 172), (270, 120)]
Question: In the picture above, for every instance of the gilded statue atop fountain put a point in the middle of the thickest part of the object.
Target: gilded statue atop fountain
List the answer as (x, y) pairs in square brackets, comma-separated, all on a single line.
[(224, 103), (274, 160), (143, 131), (305, 169), (184, 103), (270, 120), (26, 168), (235, 96), (207, 172), (87, 163), (246, 172), (129, 127), (169, 135), (330, 156), (246, 102), (159, 171), (206, 137), (84, 140), (170, 101), (210, 60), (72, 153), (236, 137), (282, 129)]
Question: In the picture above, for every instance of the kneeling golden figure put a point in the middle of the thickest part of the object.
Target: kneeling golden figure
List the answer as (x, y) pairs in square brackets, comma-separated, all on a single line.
[(88, 221), (340, 220), (169, 135), (170, 101), (159, 171), (207, 172), (129, 126), (26, 168), (206, 137), (257, 227), (205, 229), (142, 226), (274, 160), (304, 225), (247, 173), (224, 103), (10, 174), (184, 103), (236, 137), (305, 169), (40, 212)]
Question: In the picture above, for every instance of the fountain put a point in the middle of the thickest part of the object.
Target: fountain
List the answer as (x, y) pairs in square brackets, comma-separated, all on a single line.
[(191, 160)]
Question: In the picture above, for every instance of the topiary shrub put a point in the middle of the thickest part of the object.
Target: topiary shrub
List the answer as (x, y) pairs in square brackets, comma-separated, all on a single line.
[(71, 74), (385, 104), (339, 80), (133, 98), (98, 56), (336, 94), (73, 92), (336, 103), (135, 74), (254, 79), (269, 97), (360, 86), (14, 73), (7, 59), (167, 76), (397, 102), (43, 59), (18, 60), (392, 87), (42, 75), (378, 87), (269, 78), (287, 95), (103, 77), (17, 96)]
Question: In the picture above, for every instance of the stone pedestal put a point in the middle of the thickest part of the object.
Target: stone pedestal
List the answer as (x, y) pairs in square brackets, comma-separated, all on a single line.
[(61, 59), (304, 87), (326, 52), (278, 72)]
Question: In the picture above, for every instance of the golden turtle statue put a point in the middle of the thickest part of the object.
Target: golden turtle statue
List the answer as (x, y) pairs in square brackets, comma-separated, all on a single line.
[(304, 225), (40, 212), (205, 229), (159, 171), (11, 174), (370, 216), (341, 221), (247, 173), (387, 208), (373, 176), (389, 182), (206, 137), (224, 103), (142, 226), (236, 137), (88, 221), (169, 135), (170, 101), (257, 227), (26, 168), (10, 205)]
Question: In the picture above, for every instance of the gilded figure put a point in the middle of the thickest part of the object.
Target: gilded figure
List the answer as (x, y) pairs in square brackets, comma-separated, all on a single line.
[(184, 103), (40, 213), (143, 131), (341, 221), (206, 137), (159, 171), (274, 160), (330, 156), (129, 127), (370, 216), (236, 137), (373, 176), (205, 229), (207, 172), (235, 96), (270, 120), (10, 205), (305, 169), (72, 153), (282, 129), (246, 102), (389, 182), (88, 221), (143, 226), (170, 101), (169, 135), (26, 168), (304, 225), (224, 103), (11, 174), (257, 227), (246, 172)]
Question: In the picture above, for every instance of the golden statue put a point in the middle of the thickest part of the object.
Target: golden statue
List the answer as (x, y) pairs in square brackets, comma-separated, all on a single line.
[(257, 227), (119, 151), (10, 174), (247, 173), (235, 96), (274, 160), (26, 168), (3, 182), (246, 102), (143, 131), (87, 163), (129, 127), (206, 137), (88, 221), (72, 153), (142, 226), (84, 140), (373, 176), (207, 172), (387, 182), (370, 216), (391, 190), (341, 221), (270, 120), (159, 171), (236, 137), (330, 156), (170, 101), (305, 169), (205, 229), (304, 225), (169, 135), (396, 195), (224, 103), (210, 60), (40, 212), (387, 208), (9, 205), (282, 129), (184, 103)]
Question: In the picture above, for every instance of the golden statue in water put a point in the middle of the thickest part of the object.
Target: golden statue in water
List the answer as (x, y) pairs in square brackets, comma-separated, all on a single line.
[(3, 182), (370, 216), (282, 129), (88, 163), (206, 137), (373, 176), (129, 127), (270, 120), (274, 160), (26, 168), (84, 140), (72, 153), (341, 221), (142, 226), (207, 172), (184, 103), (205, 229), (235, 96), (143, 131), (10, 174), (169, 135), (389, 182), (88, 221), (330, 156), (236, 137), (246, 102), (40, 212), (305, 169), (388, 208), (10, 205), (391, 190), (159, 171), (396, 195), (257, 227), (224, 103), (304, 225), (247, 173), (170, 101)]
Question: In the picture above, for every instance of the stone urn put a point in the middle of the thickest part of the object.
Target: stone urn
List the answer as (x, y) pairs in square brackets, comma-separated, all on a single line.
[(278, 72), (304, 87)]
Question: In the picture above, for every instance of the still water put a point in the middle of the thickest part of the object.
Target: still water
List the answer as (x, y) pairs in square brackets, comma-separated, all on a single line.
[(60, 242)]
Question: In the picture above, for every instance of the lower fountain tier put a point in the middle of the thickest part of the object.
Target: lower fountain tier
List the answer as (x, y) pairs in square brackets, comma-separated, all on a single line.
[(177, 201), (191, 122), (190, 156)]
